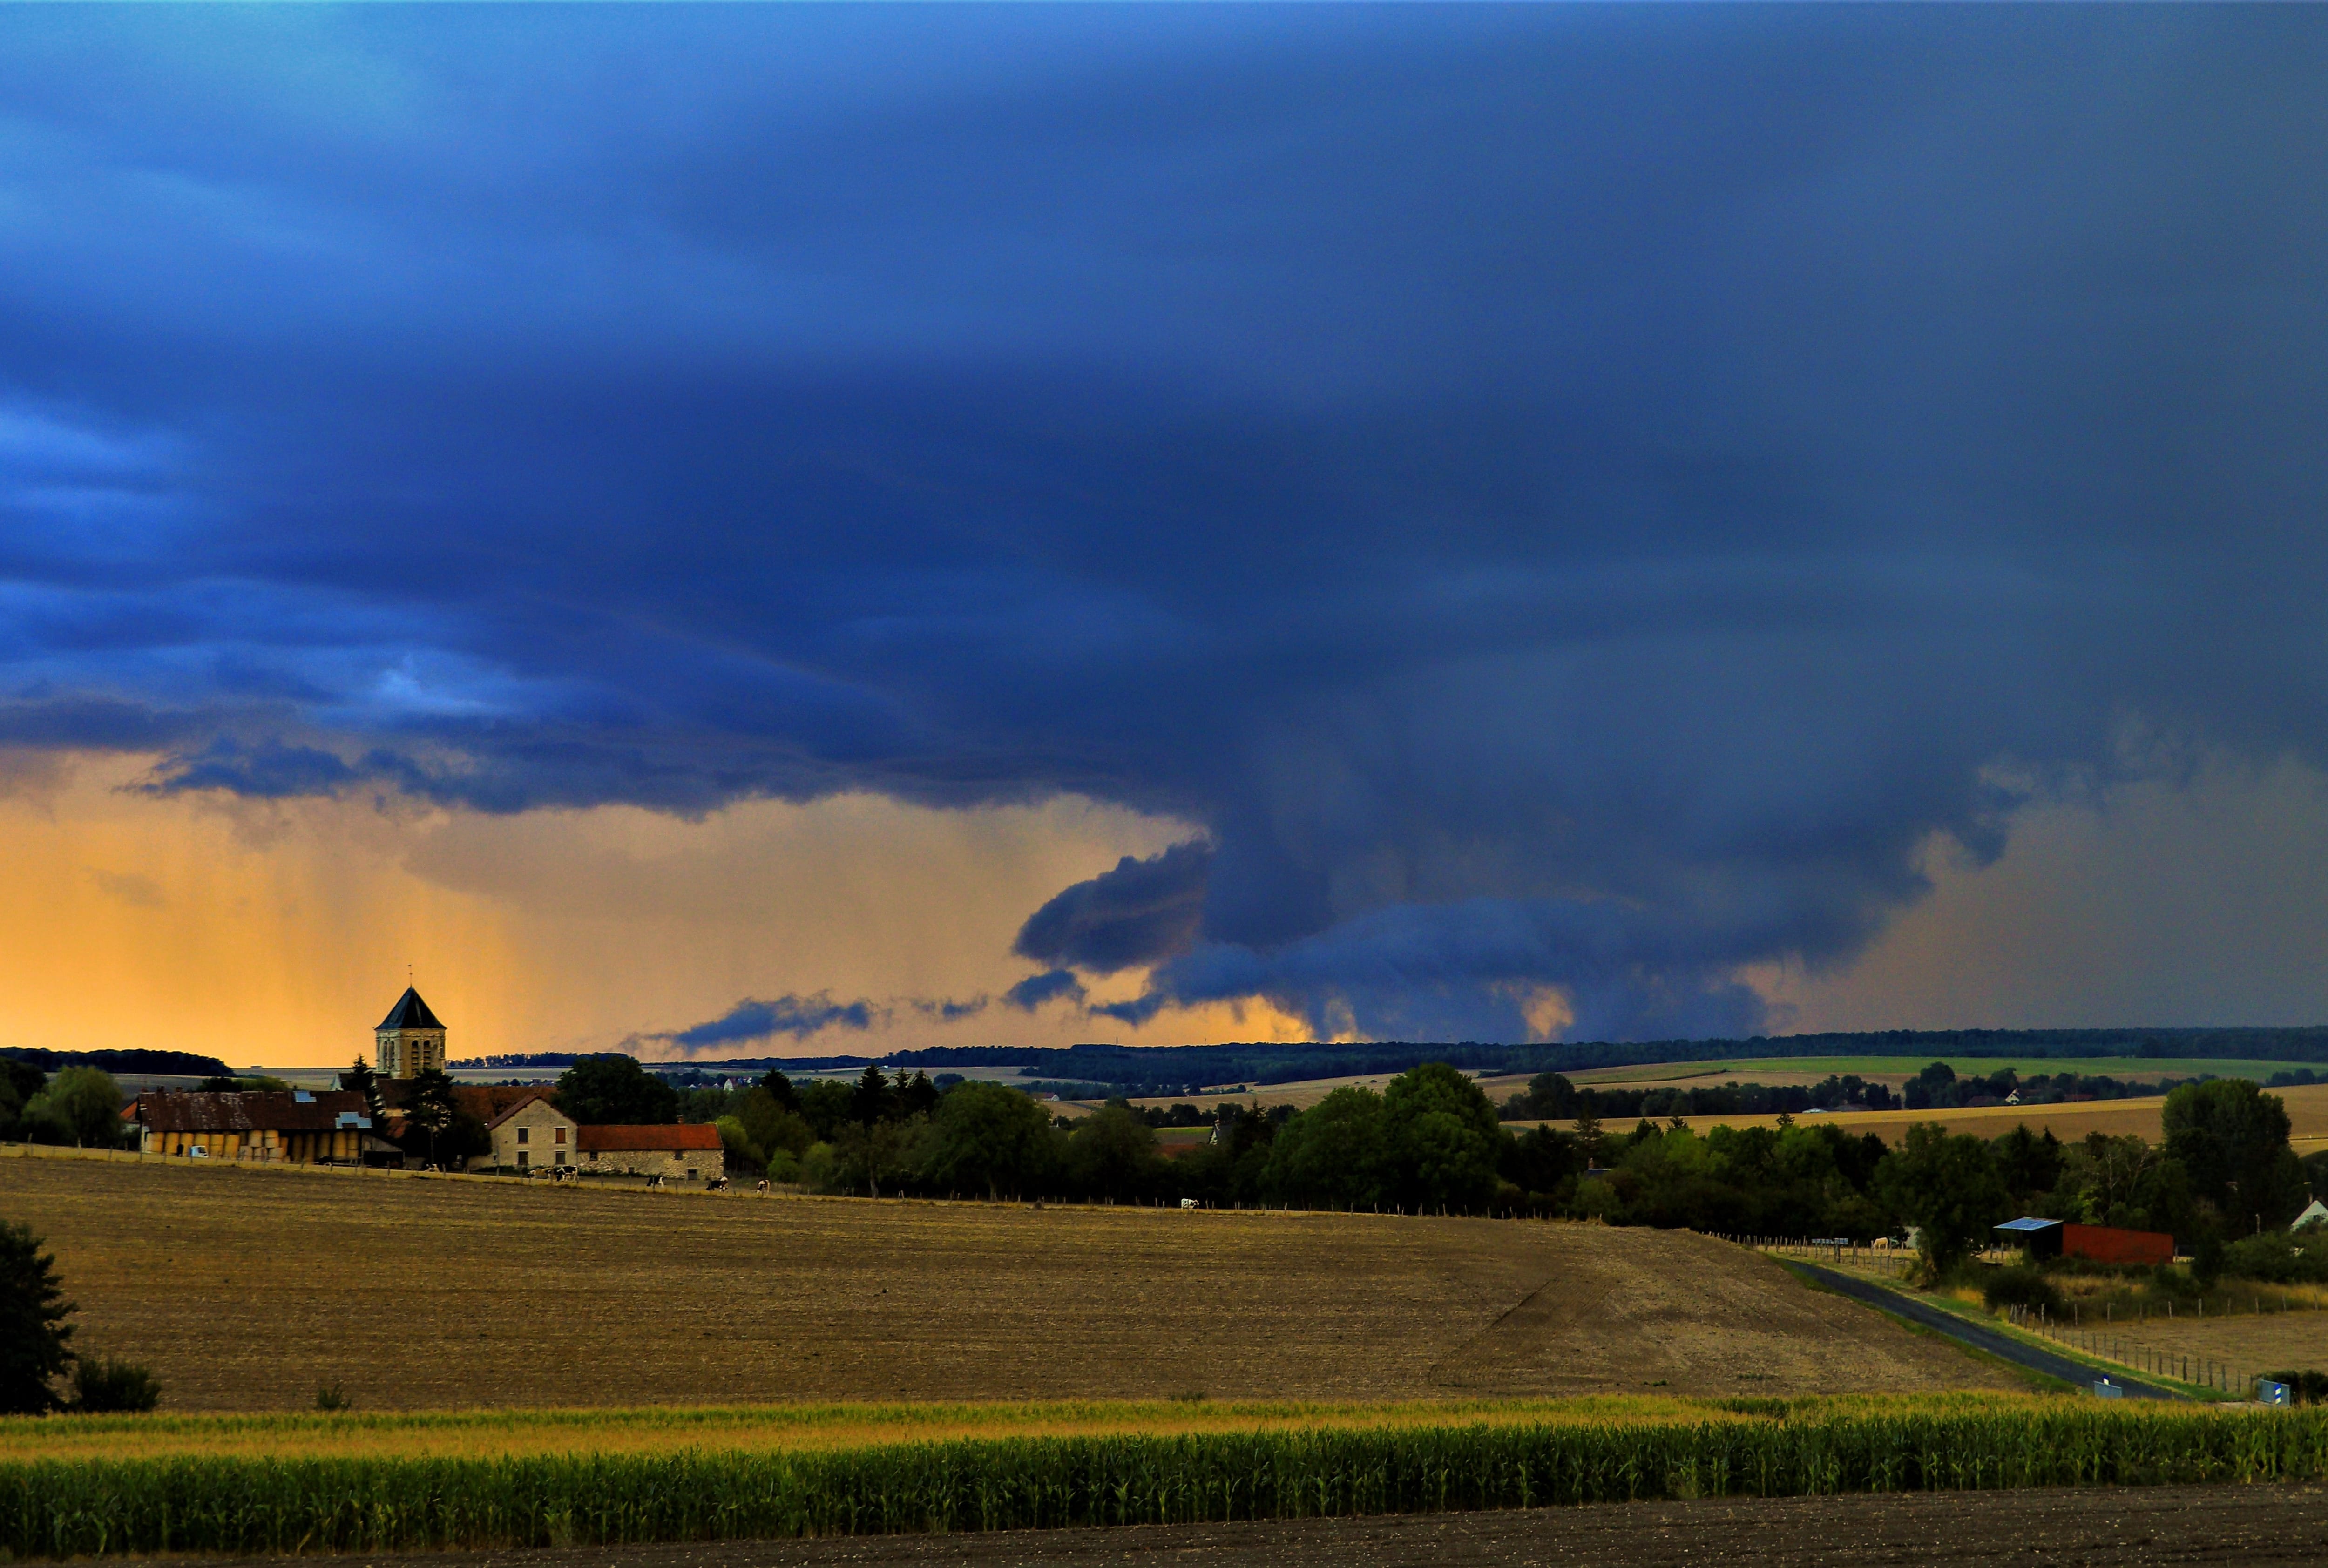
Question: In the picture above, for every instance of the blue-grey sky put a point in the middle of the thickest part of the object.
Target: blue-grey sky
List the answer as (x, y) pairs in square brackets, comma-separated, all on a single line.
[(1563, 508)]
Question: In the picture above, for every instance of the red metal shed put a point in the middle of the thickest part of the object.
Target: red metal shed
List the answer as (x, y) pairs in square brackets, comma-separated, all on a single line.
[(2105, 1245)]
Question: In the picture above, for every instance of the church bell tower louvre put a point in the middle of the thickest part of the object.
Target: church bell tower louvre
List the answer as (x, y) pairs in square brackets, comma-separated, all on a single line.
[(410, 1040)]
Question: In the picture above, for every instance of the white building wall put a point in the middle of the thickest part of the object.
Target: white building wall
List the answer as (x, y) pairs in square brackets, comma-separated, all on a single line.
[(538, 1133)]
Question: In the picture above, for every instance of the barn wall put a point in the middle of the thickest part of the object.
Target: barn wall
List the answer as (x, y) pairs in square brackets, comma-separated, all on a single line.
[(2105, 1244)]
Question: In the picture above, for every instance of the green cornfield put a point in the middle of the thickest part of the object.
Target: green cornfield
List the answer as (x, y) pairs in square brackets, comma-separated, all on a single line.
[(287, 1504)]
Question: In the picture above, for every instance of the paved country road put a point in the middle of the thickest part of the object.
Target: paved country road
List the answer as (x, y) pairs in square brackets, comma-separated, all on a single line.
[(2003, 1346)]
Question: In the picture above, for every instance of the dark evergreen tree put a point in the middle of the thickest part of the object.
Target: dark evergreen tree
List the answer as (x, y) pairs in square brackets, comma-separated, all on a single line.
[(361, 1080), (874, 1100), (430, 1107), (916, 1097), (33, 1331), (2030, 1163), (780, 1089), (1588, 1128)]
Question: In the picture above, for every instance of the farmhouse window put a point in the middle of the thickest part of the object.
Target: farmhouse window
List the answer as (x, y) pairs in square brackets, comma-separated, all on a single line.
[(561, 1135), (521, 1137), (522, 1157)]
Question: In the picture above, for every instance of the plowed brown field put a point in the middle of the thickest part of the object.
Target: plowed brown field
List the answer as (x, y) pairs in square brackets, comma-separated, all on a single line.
[(247, 1288)]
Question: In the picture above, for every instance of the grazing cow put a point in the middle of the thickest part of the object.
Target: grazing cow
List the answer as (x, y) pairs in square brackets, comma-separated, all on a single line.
[(717, 1184), (655, 1181), (764, 1186)]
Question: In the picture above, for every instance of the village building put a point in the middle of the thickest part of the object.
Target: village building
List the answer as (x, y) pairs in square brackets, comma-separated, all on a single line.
[(410, 1040), (682, 1151), (295, 1126), (531, 1133)]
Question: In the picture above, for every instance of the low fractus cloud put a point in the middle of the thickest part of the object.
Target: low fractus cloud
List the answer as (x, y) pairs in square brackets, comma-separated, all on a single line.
[(1568, 506), (797, 1019)]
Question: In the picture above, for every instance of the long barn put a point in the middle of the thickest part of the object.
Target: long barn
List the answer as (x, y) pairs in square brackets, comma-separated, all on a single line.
[(295, 1126)]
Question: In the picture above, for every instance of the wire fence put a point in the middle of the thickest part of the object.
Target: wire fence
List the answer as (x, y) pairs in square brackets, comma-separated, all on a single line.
[(2107, 1342), (1892, 1262)]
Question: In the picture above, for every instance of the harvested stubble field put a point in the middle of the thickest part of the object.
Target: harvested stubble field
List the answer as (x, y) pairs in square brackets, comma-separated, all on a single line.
[(2260, 1342), (248, 1288)]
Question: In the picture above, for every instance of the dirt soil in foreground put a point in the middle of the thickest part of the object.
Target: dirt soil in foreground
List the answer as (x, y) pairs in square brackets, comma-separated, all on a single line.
[(248, 1288), (2036, 1529)]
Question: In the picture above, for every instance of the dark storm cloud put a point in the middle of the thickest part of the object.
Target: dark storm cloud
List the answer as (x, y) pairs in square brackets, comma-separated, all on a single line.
[(947, 1010), (797, 1015), (1139, 912), (1563, 498), (1037, 990)]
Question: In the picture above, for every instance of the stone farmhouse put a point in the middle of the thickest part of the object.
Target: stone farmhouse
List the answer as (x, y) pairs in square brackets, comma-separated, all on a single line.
[(534, 1132)]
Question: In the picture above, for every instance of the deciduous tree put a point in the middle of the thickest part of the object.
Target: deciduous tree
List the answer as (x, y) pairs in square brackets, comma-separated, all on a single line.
[(987, 1137), (1111, 1154), (79, 1105), (1948, 1187), (2232, 1139), (615, 1090)]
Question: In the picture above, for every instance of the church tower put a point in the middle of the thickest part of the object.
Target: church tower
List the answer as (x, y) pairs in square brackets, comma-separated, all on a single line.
[(411, 1040)]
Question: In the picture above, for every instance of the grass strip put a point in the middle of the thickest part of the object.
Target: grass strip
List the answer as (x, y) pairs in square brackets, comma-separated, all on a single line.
[(2067, 1349), (53, 1509)]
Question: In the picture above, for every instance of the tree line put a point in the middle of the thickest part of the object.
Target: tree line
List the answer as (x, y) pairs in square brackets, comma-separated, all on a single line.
[(2223, 1174), (1550, 1096), (1432, 1140), (1091, 1070)]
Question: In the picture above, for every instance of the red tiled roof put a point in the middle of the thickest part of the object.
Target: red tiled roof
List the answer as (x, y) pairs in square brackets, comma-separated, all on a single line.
[(482, 1101), (631, 1140), (515, 1102), (250, 1111)]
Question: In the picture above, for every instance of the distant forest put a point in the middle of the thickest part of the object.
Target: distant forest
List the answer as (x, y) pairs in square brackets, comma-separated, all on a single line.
[(1149, 1070), (183, 1064)]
